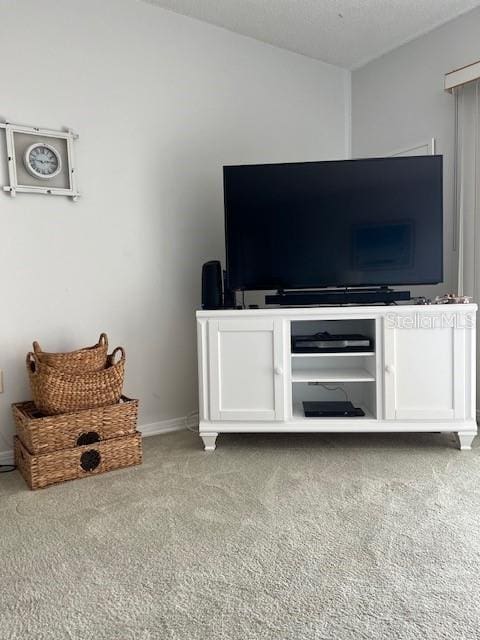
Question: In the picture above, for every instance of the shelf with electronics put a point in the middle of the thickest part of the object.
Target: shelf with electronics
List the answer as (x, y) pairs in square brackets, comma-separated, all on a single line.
[(334, 376)]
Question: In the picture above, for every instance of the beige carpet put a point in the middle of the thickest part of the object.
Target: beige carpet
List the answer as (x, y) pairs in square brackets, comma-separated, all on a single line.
[(344, 537)]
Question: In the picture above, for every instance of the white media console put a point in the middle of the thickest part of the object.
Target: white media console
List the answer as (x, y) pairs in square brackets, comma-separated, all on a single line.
[(419, 377)]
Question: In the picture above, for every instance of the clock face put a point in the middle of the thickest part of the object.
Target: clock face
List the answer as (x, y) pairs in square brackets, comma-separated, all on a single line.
[(42, 161)]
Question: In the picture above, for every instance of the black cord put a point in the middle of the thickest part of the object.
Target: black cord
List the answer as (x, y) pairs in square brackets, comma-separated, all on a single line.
[(7, 468), (335, 389)]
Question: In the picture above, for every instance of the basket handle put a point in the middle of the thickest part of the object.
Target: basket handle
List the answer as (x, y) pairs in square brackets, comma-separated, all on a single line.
[(114, 353), (36, 348), (32, 362), (103, 340)]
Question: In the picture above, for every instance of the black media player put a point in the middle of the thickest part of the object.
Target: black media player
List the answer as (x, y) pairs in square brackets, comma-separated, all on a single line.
[(324, 342), (330, 409)]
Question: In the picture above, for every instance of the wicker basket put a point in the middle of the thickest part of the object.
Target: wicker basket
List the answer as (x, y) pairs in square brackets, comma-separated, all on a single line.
[(81, 361), (57, 391), (81, 462), (44, 434)]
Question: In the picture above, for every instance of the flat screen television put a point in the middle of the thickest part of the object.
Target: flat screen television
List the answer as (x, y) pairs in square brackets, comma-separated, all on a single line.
[(347, 223)]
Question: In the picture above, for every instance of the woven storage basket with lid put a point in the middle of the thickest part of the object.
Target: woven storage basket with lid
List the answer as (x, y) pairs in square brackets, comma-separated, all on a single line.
[(81, 361), (55, 391), (44, 434)]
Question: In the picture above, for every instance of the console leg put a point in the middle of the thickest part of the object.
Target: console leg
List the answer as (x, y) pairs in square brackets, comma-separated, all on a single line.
[(465, 439), (209, 440)]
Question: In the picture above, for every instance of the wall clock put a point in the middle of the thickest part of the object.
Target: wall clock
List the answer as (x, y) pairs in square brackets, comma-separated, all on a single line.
[(40, 161)]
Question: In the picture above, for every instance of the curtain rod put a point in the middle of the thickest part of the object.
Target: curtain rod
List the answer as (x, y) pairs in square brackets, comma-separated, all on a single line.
[(457, 77)]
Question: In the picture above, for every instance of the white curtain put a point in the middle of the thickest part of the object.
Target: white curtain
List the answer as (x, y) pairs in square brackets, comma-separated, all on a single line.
[(467, 196)]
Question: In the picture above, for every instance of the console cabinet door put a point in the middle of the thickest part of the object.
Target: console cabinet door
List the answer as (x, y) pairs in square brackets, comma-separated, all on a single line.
[(424, 359), (247, 361)]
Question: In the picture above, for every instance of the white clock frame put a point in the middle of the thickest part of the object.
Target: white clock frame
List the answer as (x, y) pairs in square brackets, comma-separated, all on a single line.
[(31, 170), (14, 187)]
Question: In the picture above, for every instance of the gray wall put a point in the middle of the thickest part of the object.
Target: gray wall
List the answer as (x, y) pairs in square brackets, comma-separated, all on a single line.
[(398, 101), (161, 102)]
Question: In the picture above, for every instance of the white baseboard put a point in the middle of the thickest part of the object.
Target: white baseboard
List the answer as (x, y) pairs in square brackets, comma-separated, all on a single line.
[(153, 429), (6, 457), (164, 426)]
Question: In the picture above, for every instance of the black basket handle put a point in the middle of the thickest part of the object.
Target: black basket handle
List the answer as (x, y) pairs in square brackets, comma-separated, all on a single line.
[(88, 437), (89, 460)]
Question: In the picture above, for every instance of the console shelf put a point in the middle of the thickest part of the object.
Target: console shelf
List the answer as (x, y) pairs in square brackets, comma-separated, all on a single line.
[(332, 375), (345, 354)]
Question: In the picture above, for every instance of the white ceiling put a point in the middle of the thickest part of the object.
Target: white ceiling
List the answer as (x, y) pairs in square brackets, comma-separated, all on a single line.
[(347, 33)]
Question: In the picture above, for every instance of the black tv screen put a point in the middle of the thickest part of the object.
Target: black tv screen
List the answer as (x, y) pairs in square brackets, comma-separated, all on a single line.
[(347, 223)]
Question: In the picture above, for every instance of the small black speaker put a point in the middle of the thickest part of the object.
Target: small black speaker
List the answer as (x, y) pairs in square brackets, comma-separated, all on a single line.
[(212, 285)]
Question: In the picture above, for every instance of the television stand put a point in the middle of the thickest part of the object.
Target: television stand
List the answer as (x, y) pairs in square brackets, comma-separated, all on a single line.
[(375, 295), (418, 376)]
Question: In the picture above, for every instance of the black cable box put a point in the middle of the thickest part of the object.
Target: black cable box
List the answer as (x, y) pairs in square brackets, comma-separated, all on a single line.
[(324, 342), (331, 409)]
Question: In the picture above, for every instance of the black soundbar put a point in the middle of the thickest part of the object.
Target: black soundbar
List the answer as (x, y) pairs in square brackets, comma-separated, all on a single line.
[(381, 295)]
